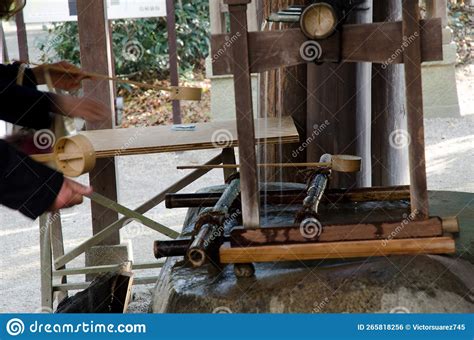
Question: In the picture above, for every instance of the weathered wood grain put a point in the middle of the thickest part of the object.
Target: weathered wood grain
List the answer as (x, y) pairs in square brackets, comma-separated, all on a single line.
[(361, 43)]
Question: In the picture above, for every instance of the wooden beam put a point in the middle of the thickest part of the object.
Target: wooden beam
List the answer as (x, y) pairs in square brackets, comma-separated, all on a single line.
[(362, 43), (173, 55), (46, 264), (116, 226), (22, 37), (96, 56), (340, 250), (414, 103), (245, 119), (104, 269), (241, 237)]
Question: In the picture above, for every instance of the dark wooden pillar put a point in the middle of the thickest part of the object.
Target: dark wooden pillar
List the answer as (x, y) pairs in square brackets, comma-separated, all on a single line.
[(337, 108), (389, 154), (245, 119), (172, 45), (96, 56), (22, 37)]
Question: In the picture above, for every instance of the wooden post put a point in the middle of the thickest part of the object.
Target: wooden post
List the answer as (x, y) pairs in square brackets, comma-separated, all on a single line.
[(96, 56), (173, 53), (22, 37), (245, 120), (414, 99), (46, 265), (389, 162)]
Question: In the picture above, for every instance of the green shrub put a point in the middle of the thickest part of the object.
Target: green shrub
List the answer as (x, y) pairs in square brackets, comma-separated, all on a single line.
[(141, 45)]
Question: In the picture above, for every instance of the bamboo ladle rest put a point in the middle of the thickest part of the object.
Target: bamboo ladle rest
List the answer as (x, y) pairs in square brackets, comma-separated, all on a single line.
[(176, 92), (339, 163)]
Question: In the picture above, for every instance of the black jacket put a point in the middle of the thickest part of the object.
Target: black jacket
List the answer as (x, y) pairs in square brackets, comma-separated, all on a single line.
[(25, 185)]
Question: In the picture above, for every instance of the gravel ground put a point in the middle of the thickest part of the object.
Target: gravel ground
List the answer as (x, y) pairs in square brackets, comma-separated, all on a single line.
[(450, 159)]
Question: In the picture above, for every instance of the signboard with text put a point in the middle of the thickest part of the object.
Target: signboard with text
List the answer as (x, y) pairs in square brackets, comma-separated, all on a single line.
[(39, 11)]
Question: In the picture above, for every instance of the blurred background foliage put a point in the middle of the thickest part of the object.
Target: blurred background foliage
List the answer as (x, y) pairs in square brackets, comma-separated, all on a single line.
[(140, 46)]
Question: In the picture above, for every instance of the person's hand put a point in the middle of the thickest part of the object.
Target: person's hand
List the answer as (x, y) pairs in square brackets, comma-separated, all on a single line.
[(71, 194), (64, 75), (88, 109)]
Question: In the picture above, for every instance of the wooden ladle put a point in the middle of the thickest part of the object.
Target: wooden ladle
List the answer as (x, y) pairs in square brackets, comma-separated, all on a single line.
[(73, 156)]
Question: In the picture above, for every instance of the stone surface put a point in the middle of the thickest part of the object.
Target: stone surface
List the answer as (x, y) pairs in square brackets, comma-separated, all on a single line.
[(398, 284), (440, 96), (105, 255)]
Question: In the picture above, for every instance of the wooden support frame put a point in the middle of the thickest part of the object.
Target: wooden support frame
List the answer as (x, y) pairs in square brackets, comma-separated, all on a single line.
[(245, 120), (412, 58), (412, 42)]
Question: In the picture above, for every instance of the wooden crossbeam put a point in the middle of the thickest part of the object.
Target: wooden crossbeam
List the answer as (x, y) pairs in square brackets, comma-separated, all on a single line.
[(380, 42), (241, 237), (341, 250)]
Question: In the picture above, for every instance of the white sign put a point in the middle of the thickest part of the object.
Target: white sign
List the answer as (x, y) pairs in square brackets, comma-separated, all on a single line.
[(39, 11)]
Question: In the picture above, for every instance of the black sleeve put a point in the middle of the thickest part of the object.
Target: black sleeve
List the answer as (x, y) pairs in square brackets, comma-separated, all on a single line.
[(25, 185), (9, 73), (23, 105)]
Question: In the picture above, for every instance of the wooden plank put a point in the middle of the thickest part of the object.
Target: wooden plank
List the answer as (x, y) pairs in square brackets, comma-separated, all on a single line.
[(46, 264), (157, 139), (341, 250), (241, 237), (96, 56), (57, 244), (116, 226), (104, 269), (362, 43), (83, 285), (414, 101), (245, 120)]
